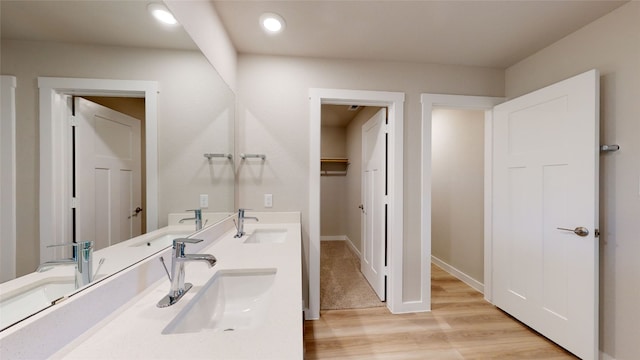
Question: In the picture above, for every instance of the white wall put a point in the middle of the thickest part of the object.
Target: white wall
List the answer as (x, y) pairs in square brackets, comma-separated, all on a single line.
[(457, 200), (612, 45), (273, 118), (193, 106)]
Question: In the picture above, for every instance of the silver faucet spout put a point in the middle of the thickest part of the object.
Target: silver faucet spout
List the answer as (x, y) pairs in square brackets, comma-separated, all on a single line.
[(197, 217), (240, 226), (83, 259), (177, 276), (208, 259)]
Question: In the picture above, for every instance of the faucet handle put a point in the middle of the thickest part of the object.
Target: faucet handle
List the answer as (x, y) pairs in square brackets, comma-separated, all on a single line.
[(82, 244), (185, 241), (241, 211), (179, 245), (197, 213)]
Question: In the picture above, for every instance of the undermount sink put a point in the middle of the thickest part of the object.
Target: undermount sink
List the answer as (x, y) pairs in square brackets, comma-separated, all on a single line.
[(231, 300), (24, 301), (161, 241), (267, 236)]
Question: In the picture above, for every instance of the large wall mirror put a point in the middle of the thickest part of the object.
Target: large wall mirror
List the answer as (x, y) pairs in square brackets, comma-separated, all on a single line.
[(191, 114)]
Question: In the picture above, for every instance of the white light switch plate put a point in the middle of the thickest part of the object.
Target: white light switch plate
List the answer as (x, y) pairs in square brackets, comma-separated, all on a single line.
[(204, 201), (268, 200)]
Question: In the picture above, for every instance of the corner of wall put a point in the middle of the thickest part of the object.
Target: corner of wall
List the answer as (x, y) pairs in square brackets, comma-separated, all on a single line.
[(200, 20)]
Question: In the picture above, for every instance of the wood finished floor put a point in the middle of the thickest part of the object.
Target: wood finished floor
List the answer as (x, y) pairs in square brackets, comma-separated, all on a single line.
[(461, 325)]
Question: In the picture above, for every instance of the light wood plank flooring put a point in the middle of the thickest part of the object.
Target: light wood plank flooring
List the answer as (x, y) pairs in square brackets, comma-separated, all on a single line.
[(461, 325)]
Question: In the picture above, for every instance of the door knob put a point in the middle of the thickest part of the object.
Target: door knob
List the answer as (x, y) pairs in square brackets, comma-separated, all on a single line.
[(137, 211), (580, 231)]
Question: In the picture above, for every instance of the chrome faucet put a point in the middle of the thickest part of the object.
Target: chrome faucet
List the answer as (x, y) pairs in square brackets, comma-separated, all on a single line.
[(178, 286), (197, 217), (83, 260), (240, 225)]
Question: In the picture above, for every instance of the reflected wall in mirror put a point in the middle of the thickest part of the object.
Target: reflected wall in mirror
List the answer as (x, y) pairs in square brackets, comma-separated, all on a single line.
[(118, 40)]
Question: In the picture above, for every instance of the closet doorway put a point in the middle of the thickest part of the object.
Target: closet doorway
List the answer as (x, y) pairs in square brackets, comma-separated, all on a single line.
[(455, 104), (344, 250), (457, 193), (393, 101)]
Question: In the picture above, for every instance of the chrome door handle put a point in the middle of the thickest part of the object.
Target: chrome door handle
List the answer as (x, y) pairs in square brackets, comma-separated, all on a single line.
[(580, 231), (137, 211)]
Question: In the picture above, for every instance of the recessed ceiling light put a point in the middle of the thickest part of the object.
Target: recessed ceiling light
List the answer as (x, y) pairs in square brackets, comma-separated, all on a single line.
[(162, 14), (272, 23)]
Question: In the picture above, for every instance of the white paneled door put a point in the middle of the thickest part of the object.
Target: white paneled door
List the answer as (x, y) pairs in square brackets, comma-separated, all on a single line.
[(545, 211), (372, 264), (108, 179)]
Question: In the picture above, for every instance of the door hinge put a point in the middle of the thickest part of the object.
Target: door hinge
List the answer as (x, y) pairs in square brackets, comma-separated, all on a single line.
[(597, 232), (74, 203), (73, 121)]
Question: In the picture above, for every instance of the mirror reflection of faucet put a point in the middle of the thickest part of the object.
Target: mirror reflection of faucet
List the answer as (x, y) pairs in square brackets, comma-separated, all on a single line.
[(82, 259), (240, 224), (197, 217), (177, 275)]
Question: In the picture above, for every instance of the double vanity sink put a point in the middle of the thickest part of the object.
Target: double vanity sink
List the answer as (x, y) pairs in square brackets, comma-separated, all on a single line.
[(247, 306)]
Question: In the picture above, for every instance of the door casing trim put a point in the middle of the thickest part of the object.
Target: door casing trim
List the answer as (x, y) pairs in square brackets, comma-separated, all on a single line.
[(429, 101), (395, 102), (8, 178), (55, 167)]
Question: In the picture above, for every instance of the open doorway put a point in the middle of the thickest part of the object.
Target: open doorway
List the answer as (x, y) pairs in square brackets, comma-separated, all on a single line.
[(342, 283), (460, 103), (56, 200), (108, 161), (394, 267), (457, 193)]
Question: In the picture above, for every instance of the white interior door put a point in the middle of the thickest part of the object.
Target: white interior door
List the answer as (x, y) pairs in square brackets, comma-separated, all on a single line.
[(108, 179), (372, 264), (545, 177)]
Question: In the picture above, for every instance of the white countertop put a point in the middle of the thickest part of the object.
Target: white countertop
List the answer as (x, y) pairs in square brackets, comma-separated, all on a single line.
[(116, 258), (135, 329)]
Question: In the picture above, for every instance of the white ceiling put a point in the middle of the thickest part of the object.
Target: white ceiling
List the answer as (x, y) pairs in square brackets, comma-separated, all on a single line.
[(117, 23), (493, 34), (338, 115), (480, 33)]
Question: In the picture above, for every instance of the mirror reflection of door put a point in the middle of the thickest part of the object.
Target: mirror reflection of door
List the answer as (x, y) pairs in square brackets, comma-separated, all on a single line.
[(107, 182)]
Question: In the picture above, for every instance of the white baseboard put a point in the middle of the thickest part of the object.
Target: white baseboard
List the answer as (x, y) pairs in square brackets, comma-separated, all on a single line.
[(343, 238), (605, 356), (408, 307), (459, 274), (333, 238)]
